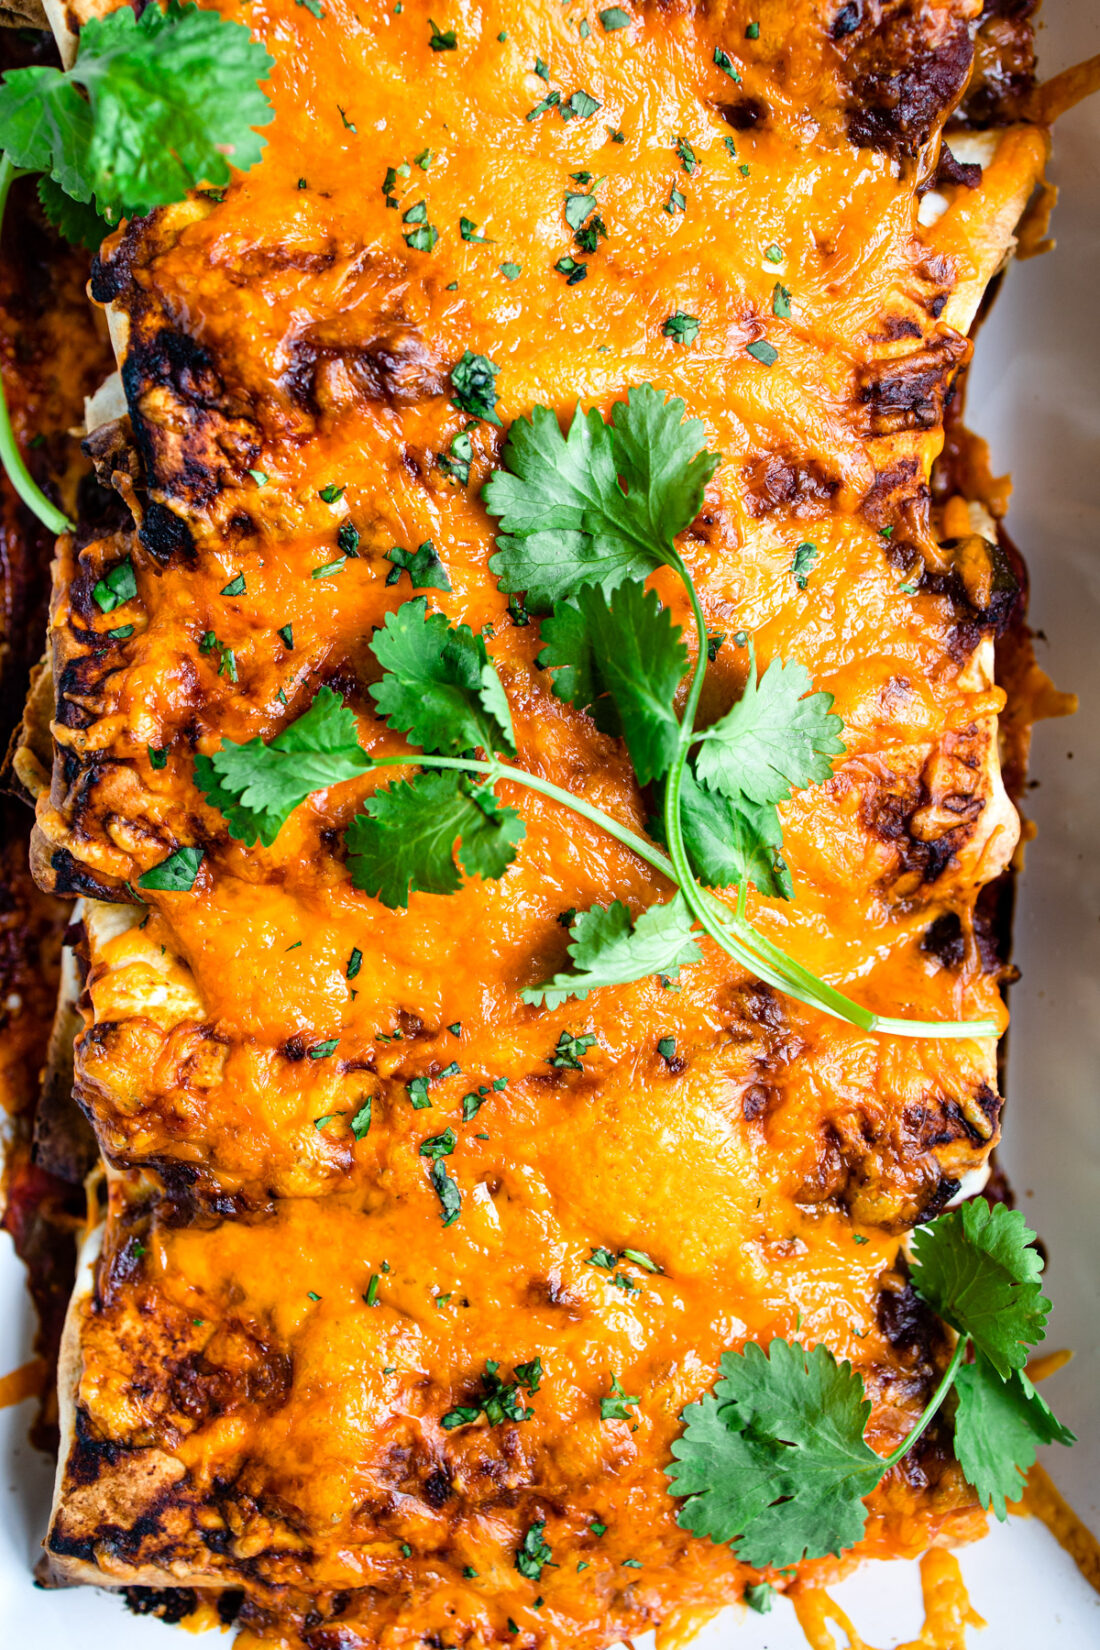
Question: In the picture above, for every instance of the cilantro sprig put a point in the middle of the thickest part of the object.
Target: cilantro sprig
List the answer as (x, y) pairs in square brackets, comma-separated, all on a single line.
[(774, 1460), (152, 106), (587, 515)]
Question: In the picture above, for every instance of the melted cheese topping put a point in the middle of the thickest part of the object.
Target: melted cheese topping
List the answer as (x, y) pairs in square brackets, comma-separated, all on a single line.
[(247, 1415)]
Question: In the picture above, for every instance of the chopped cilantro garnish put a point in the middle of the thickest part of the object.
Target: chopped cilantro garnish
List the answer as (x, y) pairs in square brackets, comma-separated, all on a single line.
[(762, 351), (355, 963), (551, 101), (533, 1555), (614, 17), (441, 40), (331, 493), (371, 1296), (676, 202), (781, 301), (511, 272), (804, 558), (468, 230), (574, 270), (762, 1596), (640, 1258), (360, 1122), (666, 1047), (439, 1145), (321, 1051), (330, 568), (422, 238), (687, 155), (570, 1050), (681, 328), (774, 254), (425, 570), (456, 463), (450, 1198), (473, 381), (116, 587), (157, 758), (617, 1407), (417, 1091), (579, 107), (725, 63)]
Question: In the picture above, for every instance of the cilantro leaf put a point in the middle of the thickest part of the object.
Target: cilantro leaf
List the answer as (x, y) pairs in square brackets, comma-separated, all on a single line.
[(778, 736), (662, 460), (998, 1427), (172, 92), (728, 838), (257, 786), (622, 660), (977, 1267), (774, 1460), (439, 686), (608, 948), (404, 840), (46, 126), (175, 875), (567, 520), (78, 221)]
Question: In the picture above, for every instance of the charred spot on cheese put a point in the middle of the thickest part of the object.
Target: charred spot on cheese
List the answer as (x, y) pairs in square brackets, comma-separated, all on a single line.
[(169, 1604), (393, 365), (744, 114), (777, 481), (908, 392), (1004, 63), (906, 68), (944, 939)]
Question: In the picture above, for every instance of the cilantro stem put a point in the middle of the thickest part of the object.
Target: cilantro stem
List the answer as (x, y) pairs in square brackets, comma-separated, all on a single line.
[(10, 456), (756, 954), (947, 1381), (731, 931)]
